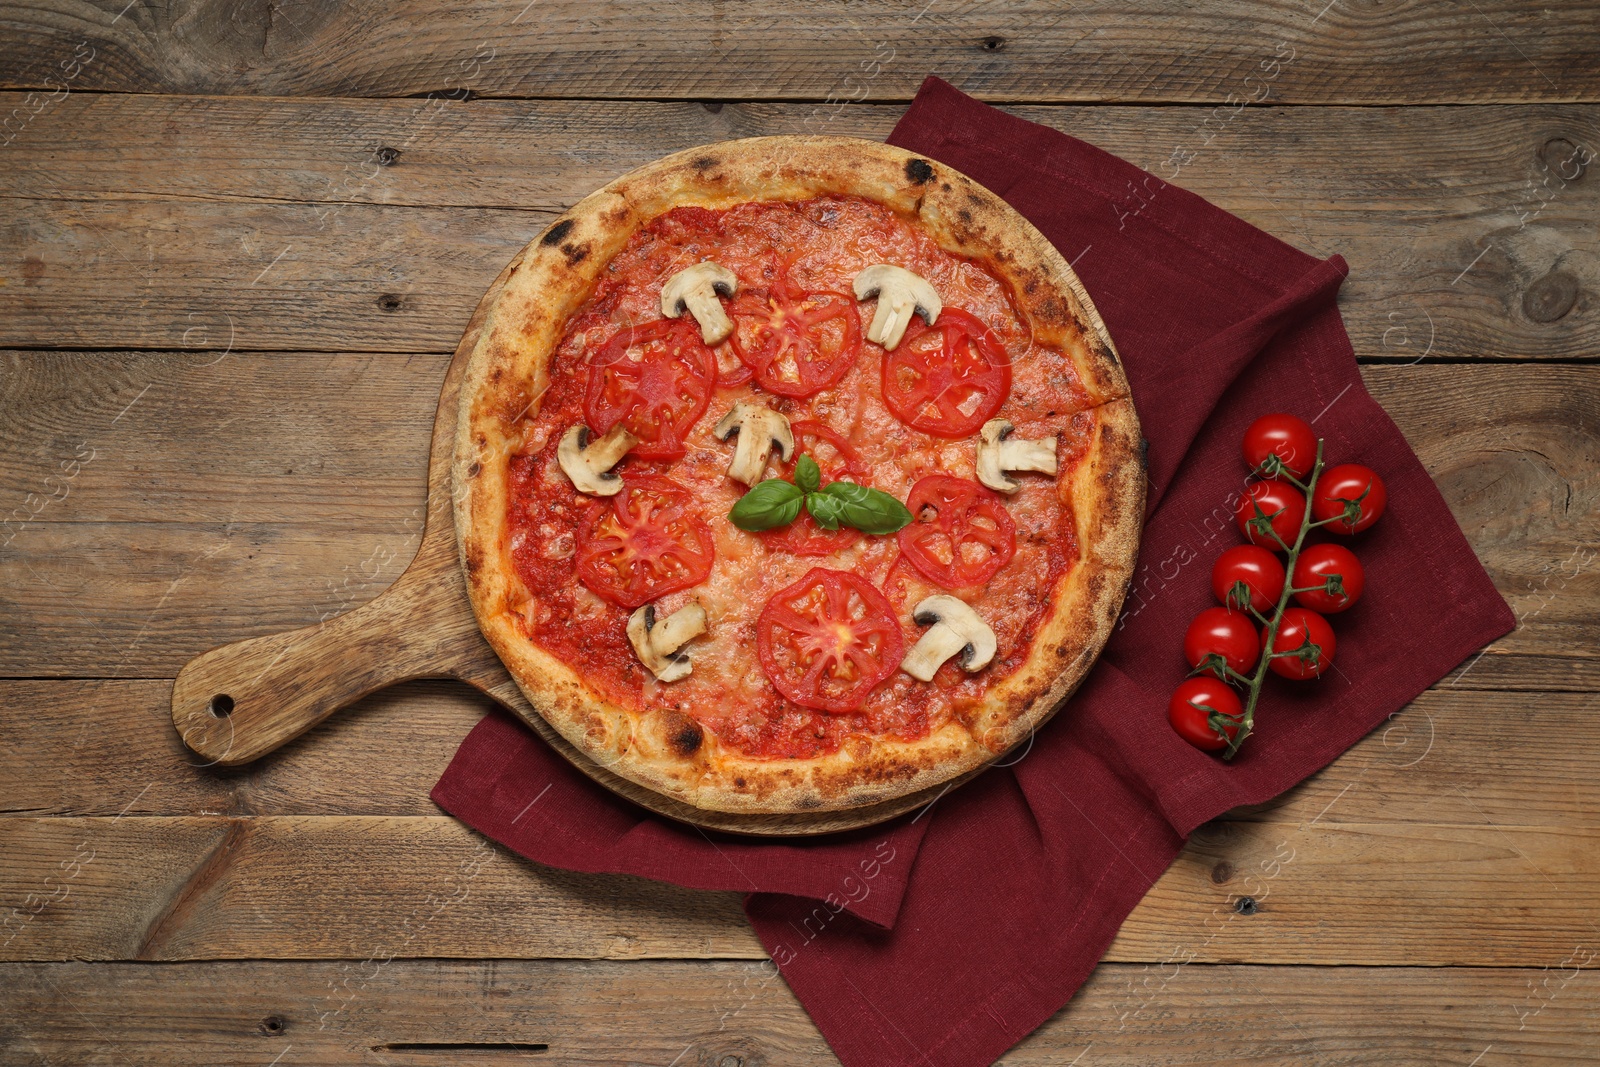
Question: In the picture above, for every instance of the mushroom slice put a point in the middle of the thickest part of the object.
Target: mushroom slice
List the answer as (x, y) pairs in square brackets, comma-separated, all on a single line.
[(696, 290), (953, 629), (760, 430), (900, 294), (659, 642), (999, 452), (588, 460)]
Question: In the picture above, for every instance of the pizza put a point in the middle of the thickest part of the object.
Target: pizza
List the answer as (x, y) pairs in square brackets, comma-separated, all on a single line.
[(795, 474)]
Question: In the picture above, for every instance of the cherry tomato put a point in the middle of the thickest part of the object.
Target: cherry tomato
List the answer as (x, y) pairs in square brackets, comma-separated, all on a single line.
[(1279, 502), (1349, 482), (1315, 565), (1286, 436), (646, 542), (1190, 710), (838, 461), (795, 342), (1258, 569), (1297, 627), (1228, 635), (960, 532), (656, 380), (828, 639), (947, 379)]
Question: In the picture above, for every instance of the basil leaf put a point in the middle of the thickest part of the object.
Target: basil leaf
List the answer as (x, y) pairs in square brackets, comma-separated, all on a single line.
[(868, 510), (768, 505), (807, 475), (826, 508)]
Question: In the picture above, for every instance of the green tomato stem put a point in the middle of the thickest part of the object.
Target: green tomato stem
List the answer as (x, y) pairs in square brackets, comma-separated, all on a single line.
[(1247, 720)]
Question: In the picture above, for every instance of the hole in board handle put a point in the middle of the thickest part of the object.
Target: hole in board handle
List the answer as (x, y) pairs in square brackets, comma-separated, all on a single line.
[(221, 705)]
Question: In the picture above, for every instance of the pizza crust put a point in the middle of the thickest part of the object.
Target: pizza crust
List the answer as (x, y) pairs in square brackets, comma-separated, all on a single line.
[(508, 371)]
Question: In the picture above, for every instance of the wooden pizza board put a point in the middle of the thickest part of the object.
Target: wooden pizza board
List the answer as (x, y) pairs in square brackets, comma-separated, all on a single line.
[(239, 702)]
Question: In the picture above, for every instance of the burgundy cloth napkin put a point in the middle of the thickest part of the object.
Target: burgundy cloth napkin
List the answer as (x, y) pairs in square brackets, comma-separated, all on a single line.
[(944, 938)]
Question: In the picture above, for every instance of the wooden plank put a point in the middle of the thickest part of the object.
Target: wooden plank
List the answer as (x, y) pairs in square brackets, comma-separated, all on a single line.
[(297, 887), (216, 437), (1460, 225), (310, 501), (199, 275), (428, 1012), (545, 155), (1158, 50), (1522, 758), (345, 886)]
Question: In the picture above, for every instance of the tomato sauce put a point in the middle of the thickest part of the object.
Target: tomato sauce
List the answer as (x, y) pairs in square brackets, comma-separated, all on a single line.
[(817, 246)]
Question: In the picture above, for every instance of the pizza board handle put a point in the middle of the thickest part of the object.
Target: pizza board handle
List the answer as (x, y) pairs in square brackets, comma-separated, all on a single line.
[(238, 702)]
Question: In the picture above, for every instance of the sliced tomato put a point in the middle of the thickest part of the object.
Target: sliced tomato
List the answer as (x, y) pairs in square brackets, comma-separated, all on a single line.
[(795, 342), (648, 542), (827, 640), (731, 371), (960, 532), (947, 379), (839, 462), (655, 379)]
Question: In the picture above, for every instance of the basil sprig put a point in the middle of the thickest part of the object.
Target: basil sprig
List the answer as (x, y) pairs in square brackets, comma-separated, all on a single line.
[(775, 502)]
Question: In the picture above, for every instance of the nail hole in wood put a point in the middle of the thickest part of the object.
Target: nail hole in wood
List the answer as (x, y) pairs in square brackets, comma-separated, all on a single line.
[(273, 1024), (992, 44), (1246, 906), (387, 156), (389, 302), (221, 705)]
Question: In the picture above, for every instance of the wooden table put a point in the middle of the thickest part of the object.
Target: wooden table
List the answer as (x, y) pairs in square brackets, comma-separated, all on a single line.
[(239, 242)]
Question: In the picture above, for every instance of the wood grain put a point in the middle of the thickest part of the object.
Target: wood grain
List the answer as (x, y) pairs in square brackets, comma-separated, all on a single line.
[(1156, 50), (1330, 891), (284, 232), (716, 1014), (349, 886), (134, 565), (1525, 758)]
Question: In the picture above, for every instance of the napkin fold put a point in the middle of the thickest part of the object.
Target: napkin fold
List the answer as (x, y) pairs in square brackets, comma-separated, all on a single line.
[(946, 936)]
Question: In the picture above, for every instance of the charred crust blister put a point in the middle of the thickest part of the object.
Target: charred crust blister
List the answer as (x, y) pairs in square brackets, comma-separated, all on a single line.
[(575, 254), (918, 172), (685, 740), (557, 233)]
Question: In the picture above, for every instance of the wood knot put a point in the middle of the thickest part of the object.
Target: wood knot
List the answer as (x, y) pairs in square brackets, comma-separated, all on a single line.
[(386, 156), (1246, 906), (1564, 159), (1550, 297), (390, 302), (1221, 872), (712, 106)]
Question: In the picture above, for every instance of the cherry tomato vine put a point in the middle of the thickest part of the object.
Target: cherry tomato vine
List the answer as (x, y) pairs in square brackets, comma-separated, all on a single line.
[(1292, 499)]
